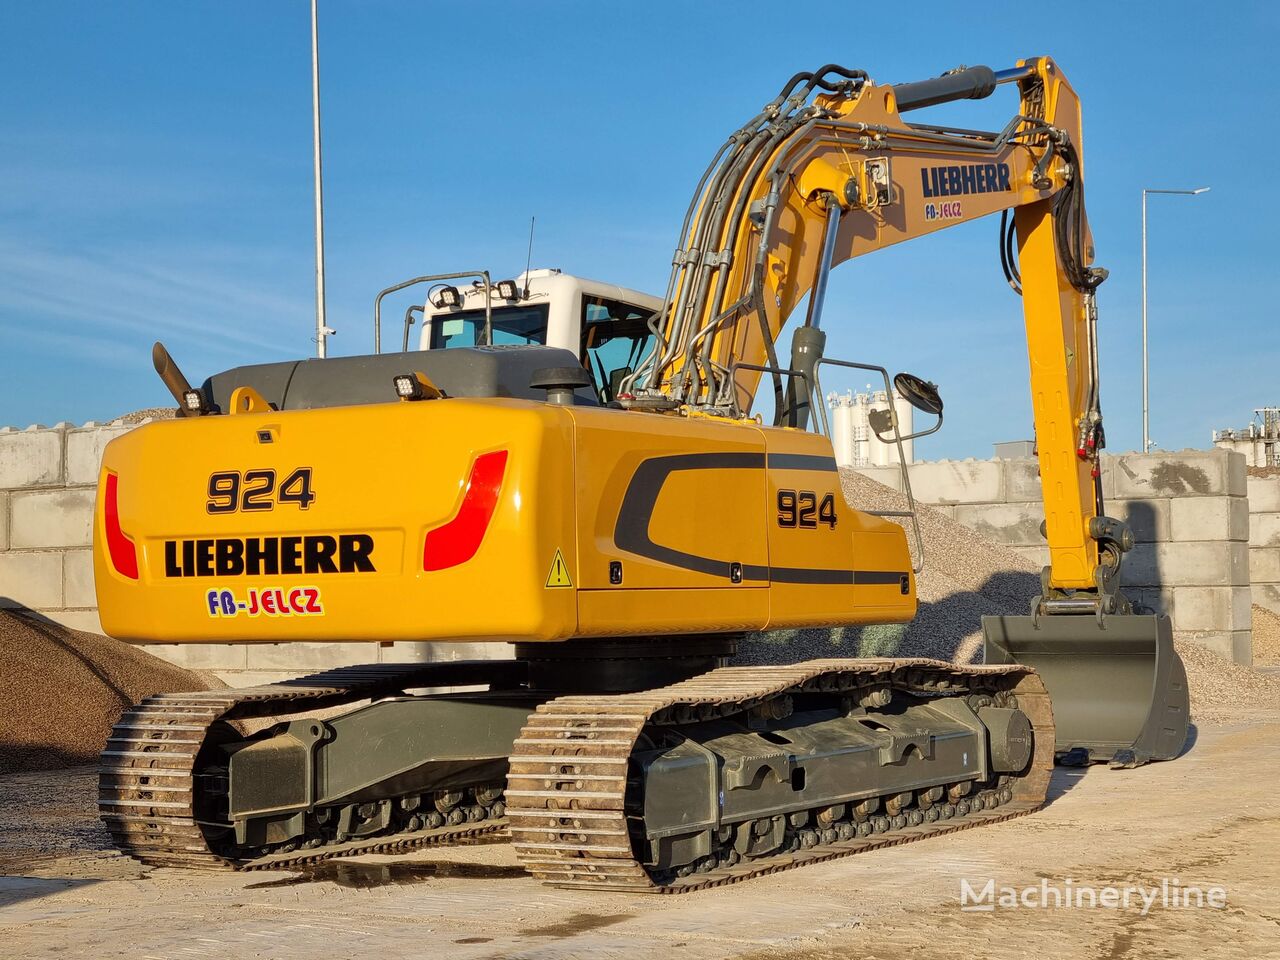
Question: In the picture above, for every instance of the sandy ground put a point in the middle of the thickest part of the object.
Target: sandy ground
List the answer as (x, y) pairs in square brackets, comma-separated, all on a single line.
[(1211, 817)]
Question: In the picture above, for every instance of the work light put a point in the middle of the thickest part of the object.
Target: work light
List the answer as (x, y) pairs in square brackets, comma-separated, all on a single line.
[(408, 387), (447, 297)]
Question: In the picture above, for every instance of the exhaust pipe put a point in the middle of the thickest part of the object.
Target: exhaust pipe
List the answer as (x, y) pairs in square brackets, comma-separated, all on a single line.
[(174, 380)]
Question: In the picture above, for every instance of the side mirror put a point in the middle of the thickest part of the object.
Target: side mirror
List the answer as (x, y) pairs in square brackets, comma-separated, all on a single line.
[(921, 394)]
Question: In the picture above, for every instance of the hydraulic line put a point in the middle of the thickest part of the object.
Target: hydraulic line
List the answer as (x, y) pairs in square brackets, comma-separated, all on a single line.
[(1008, 256), (714, 229)]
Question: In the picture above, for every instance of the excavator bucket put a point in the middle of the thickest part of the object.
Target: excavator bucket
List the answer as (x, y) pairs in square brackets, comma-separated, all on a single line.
[(1118, 687)]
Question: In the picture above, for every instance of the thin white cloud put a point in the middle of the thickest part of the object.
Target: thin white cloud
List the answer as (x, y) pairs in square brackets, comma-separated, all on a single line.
[(80, 345), (151, 294)]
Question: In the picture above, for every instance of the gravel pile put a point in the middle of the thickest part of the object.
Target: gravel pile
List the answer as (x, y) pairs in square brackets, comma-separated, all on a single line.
[(1266, 636), (150, 413), (61, 690), (1221, 688), (966, 577)]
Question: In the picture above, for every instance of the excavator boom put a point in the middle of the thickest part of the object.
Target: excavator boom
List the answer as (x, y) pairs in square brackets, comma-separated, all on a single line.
[(830, 170)]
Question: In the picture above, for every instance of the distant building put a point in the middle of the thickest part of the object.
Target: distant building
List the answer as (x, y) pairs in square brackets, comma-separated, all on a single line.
[(856, 444), (1015, 449), (1259, 441)]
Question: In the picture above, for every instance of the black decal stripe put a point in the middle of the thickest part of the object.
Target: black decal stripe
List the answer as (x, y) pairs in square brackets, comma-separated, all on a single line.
[(631, 530), (859, 578), (868, 577), (803, 575)]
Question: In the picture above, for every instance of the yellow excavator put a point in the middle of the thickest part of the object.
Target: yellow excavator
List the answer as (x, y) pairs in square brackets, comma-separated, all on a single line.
[(623, 528)]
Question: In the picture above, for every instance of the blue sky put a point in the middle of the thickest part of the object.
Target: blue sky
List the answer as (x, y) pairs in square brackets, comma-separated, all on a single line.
[(155, 182)]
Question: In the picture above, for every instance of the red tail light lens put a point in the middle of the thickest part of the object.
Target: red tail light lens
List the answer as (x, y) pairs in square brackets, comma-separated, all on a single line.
[(124, 556), (458, 540)]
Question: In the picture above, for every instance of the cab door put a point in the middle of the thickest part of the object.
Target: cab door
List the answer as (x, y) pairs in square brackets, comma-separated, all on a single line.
[(615, 338)]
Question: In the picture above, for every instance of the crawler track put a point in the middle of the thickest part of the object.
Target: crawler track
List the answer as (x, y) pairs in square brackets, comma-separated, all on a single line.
[(148, 778), (567, 800)]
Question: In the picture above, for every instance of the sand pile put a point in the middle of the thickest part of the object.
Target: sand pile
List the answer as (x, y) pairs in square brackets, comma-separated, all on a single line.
[(61, 690), (1266, 636), (966, 577)]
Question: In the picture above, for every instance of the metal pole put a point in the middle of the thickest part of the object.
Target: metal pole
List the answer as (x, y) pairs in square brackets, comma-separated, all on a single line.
[(1146, 433), (322, 328)]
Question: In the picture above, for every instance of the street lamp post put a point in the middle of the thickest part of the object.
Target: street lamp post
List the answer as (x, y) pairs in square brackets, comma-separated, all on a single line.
[(322, 327), (1146, 432)]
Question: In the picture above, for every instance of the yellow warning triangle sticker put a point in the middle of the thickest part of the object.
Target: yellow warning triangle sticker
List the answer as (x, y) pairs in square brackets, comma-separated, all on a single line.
[(559, 573)]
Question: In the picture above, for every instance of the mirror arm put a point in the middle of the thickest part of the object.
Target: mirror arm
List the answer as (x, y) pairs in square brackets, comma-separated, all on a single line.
[(910, 436)]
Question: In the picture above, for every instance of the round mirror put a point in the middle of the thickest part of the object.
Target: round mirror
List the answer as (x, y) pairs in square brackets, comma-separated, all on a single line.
[(921, 394)]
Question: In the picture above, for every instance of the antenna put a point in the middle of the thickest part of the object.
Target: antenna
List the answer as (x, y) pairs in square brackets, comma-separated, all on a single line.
[(528, 260)]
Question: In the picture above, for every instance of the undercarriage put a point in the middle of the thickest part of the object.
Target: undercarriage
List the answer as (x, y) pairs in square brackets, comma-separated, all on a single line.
[(707, 774)]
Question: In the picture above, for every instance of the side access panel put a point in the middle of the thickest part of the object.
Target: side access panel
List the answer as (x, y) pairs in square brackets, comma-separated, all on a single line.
[(671, 535), (705, 525), (829, 563)]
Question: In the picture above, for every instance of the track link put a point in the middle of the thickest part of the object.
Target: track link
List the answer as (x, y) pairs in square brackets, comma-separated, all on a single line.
[(147, 780), (566, 787)]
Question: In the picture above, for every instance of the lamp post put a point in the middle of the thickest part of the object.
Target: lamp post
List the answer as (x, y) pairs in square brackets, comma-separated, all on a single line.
[(1146, 432), (322, 327)]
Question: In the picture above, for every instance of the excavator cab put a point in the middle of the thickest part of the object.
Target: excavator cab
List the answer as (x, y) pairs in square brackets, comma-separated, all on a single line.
[(615, 336), (605, 325)]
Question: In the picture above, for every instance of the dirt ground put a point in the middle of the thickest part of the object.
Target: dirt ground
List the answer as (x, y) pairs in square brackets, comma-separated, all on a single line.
[(1210, 818)]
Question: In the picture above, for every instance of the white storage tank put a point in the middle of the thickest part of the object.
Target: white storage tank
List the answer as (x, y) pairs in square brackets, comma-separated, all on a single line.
[(856, 444)]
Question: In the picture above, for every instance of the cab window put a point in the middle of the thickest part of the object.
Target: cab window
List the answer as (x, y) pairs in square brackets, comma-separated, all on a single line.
[(511, 325), (615, 337)]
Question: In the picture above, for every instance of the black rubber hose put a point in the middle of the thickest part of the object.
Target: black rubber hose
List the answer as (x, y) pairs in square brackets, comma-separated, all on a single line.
[(850, 76), (791, 84), (1007, 257)]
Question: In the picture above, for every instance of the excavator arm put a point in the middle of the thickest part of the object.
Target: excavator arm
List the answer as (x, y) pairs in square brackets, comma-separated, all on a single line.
[(830, 170)]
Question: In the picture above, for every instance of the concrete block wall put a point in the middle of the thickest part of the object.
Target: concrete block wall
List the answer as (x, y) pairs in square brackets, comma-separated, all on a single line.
[(48, 481), (1190, 514), (1264, 540)]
